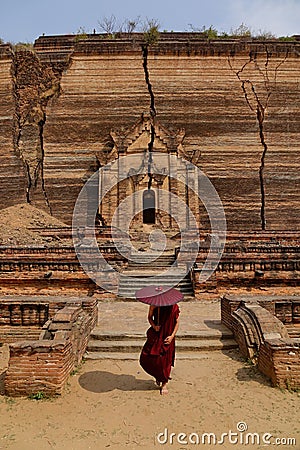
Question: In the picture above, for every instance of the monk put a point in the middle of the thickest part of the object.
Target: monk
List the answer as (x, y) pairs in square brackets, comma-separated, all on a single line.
[(158, 353)]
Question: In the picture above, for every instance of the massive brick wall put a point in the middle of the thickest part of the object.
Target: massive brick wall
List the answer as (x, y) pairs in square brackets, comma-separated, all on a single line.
[(12, 175), (215, 92), (102, 89), (237, 101)]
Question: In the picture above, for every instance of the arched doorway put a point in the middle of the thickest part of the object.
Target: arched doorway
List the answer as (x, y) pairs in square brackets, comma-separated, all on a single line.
[(149, 206)]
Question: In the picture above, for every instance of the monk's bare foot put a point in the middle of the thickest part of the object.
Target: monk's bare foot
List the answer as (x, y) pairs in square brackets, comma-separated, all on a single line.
[(163, 390)]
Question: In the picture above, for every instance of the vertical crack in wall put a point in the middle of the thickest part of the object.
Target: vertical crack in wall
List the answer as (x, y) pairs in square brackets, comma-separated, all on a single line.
[(259, 105), (260, 118), (152, 113), (147, 79), (34, 84)]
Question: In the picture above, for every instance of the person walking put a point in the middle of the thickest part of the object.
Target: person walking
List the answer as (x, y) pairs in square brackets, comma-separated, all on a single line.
[(158, 354)]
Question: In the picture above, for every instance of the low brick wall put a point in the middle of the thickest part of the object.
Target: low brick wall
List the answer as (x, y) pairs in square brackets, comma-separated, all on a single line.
[(23, 313), (22, 317), (263, 337), (19, 319), (280, 361), (228, 305), (286, 308), (72, 323), (38, 366), (261, 259), (55, 270), (44, 364), (252, 325)]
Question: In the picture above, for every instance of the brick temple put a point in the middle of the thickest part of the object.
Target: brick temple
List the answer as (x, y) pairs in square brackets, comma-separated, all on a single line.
[(75, 104)]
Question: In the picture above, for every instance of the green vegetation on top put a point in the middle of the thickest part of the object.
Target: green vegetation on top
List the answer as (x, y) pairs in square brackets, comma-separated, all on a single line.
[(151, 29), (241, 32), (111, 28)]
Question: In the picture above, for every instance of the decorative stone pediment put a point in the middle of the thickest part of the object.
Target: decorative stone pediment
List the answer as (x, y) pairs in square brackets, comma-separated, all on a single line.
[(136, 139)]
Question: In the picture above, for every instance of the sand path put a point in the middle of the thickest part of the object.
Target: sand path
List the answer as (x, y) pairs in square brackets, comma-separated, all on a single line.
[(115, 405)]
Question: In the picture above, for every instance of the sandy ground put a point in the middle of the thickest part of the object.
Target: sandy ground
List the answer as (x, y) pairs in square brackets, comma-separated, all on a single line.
[(115, 405)]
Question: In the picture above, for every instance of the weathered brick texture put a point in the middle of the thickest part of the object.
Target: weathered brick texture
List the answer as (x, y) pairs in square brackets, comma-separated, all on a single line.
[(197, 86), (263, 337), (44, 364), (38, 366), (252, 260), (280, 361), (52, 271)]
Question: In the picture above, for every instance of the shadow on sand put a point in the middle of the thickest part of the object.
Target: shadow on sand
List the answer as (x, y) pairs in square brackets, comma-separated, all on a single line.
[(99, 381), (249, 372)]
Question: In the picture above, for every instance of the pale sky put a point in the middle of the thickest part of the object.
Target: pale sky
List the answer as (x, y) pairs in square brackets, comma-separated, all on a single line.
[(26, 20)]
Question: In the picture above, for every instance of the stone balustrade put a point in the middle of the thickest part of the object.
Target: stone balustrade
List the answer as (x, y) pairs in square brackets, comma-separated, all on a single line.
[(260, 327)]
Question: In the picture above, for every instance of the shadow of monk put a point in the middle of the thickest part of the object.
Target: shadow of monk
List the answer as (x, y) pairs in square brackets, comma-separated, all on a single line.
[(99, 381)]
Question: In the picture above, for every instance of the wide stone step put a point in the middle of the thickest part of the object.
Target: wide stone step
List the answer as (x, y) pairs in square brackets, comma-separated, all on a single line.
[(134, 356), (151, 257), (152, 279), (148, 262), (132, 289), (130, 295), (135, 346), (221, 333), (188, 341), (187, 297)]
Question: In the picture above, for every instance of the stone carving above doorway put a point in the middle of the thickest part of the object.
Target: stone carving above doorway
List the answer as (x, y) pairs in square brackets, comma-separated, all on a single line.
[(137, 138)]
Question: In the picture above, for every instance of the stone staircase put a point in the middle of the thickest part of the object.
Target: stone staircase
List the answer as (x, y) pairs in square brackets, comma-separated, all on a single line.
[(145, 270), (153, 261), (189, 345)]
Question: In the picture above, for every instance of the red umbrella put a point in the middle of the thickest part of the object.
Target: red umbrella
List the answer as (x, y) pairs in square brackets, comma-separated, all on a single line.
[(159, 295)]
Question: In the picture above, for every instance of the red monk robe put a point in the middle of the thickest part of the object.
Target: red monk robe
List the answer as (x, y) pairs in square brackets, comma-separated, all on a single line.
[(156, 357)]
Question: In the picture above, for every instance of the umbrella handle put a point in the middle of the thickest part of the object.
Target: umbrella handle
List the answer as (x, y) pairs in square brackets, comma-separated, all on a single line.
[(158, 311)]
